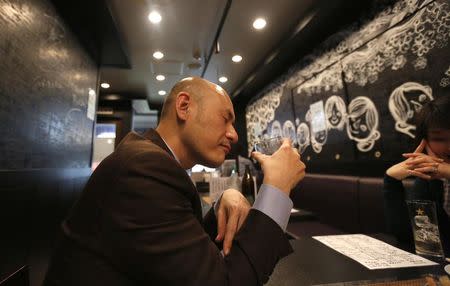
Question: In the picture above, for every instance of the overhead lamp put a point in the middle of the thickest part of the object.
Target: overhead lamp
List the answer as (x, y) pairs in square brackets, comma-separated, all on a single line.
[(223, 79), (259, 23), (154, 17), (162, 92), (105, 85), (160, 77), (158, 55), (236, 58)]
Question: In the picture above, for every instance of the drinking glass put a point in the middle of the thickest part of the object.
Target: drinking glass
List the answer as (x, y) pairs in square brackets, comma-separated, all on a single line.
[(269, 146), (424, 224)]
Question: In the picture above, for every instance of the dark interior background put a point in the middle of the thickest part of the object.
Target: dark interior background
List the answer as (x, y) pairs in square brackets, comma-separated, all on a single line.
[(51, 54)]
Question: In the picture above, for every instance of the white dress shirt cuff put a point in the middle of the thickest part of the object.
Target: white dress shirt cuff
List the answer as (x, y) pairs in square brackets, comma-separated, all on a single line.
[(275, 204)]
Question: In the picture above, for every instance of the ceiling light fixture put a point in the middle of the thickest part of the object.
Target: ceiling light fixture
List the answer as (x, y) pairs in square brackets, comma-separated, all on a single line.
[(105, 85), (158, 55), (162, 92), (154, 17), (160, 77), (236, 58), (223, 79), (259, 23)]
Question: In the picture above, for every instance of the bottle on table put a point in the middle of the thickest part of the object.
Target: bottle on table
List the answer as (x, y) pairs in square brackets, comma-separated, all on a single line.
[(248, 185)]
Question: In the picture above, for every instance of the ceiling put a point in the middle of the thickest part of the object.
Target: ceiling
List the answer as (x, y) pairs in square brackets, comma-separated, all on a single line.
[(187, 32)]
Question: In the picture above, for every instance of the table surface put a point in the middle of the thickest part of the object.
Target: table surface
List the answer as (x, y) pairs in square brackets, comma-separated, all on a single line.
[(313, 263)]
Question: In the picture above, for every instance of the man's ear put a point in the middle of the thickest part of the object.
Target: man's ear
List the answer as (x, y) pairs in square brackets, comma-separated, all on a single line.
[(182, 104)]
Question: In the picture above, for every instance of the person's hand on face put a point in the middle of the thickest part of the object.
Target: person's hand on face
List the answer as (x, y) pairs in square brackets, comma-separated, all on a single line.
[(233, 211), (427, 167), (283, 169)]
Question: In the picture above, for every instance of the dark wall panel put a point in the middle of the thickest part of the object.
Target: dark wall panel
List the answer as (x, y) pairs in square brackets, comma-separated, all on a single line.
[(46, 82)]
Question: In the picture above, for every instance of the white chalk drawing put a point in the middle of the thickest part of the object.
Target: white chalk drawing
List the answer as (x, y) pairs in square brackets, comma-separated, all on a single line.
[(445, 81), (402, 35), (405, 101), (318, 135), (276, 129), (303, 137), (427, 29), (289, 131), (362, 123), (335, 112), (260, 113)]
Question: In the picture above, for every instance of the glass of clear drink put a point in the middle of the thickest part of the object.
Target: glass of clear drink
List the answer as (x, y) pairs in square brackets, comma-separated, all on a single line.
[(268, 146), (425, 229)]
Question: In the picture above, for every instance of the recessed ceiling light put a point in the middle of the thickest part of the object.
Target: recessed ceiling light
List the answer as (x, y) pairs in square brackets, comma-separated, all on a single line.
[(105, 85), (160, 77), (154, 17), (162, 92), (236, 58), (259, 23), (223, 79), (158, 55)]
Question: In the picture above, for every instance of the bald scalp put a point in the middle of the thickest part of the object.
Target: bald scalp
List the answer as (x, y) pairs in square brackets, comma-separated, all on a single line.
[(196, 87)]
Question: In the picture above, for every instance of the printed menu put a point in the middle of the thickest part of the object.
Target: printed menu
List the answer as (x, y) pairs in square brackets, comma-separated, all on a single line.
[(372, 253)]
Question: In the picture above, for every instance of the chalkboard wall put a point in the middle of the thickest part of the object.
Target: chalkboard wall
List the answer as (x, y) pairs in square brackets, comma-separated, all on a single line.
[(349, 104), (46, 81)]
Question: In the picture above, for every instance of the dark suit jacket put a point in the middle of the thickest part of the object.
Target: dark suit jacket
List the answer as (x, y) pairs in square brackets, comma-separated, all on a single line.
[(138, 222), (396, 210)]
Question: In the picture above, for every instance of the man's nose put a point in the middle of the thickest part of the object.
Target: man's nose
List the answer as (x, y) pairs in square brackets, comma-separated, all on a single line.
[(232, 135)]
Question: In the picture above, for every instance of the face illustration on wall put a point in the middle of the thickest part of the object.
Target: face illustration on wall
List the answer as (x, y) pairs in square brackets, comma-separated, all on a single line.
[(335, 112), (405, 101), (303, 137), (276, 129), (362, 123), (289, 131), (318, 138)]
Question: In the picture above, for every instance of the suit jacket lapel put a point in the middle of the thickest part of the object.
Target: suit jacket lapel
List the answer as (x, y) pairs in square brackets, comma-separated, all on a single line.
[(153, 136)]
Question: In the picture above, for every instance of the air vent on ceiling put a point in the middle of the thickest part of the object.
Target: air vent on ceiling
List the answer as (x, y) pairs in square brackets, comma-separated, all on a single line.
[(167, 67)]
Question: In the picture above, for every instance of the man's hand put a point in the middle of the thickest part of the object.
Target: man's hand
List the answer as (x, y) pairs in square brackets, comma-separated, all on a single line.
[(283, 169), (233, 210)]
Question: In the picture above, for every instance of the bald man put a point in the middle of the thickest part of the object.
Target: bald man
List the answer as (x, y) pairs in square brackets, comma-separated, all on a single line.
[(138, 220)]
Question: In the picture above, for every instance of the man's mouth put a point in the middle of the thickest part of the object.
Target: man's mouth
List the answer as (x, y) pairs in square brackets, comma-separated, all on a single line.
[(227, 148)]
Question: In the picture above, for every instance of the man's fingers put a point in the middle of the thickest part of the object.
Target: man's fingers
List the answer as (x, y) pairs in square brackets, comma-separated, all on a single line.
[(258, 156), (231, 229), (221, 225), (421, 146), (242, 218)]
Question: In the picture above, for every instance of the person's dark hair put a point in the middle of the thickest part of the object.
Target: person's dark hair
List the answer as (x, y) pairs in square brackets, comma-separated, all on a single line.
[(434, 114)]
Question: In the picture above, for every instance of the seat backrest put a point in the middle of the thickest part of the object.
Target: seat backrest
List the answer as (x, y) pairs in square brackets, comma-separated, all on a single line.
[(371, 205), (334, 199)]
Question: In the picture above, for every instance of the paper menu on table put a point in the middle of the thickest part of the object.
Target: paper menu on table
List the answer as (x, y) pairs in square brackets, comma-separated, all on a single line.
[(372, 253)]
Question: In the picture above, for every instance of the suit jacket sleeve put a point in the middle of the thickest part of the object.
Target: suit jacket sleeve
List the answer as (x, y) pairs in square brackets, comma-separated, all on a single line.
[(152, 233)]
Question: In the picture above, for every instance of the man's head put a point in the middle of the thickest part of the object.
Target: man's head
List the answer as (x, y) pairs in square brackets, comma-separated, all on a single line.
[(197, 119)]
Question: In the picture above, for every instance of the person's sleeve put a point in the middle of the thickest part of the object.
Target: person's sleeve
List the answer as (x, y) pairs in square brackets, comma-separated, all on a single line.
[(275, 204), (396, 210), (155, 236)]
